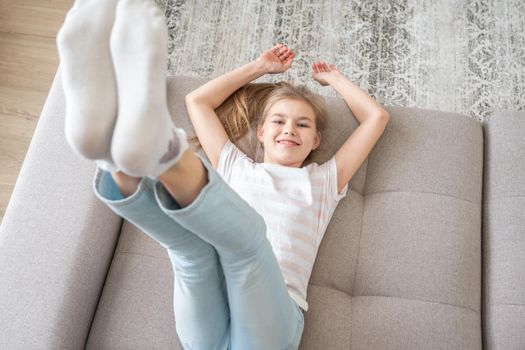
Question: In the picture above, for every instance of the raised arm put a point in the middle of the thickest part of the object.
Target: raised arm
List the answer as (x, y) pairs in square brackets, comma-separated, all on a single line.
[(371, 116), (202, 102)]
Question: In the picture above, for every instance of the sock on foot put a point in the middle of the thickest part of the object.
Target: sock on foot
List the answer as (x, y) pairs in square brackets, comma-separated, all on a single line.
[(88, 79), (145, 140), (107, 166)]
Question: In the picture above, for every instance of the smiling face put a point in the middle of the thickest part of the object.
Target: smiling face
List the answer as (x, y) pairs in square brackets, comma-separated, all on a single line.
[(289, 119)]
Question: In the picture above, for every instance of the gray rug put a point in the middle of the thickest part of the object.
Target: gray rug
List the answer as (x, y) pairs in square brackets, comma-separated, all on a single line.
[(452, 55)]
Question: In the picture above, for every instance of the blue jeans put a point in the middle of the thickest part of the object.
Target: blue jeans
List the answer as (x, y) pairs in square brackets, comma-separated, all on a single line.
[(229, 291)]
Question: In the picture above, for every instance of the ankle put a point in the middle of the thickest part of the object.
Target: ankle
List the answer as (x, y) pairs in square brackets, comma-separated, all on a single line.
[(127, 184), (186, 179)]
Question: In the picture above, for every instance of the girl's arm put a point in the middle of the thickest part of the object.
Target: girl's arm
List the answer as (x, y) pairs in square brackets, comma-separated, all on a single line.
[(361, 104), (372, 116), (202, 102), (274, 60), (216, 91)]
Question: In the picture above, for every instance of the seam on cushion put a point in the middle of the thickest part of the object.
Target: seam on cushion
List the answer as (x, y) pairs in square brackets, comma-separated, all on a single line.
[(441, 194), (359, 244), (510, 304), (331, 288), (397, 297), (421, 300), (361, 229)]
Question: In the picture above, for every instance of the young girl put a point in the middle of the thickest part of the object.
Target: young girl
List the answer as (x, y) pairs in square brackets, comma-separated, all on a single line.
[(242, 236)]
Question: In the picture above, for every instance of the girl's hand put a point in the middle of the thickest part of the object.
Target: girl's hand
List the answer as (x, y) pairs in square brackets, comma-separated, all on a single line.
[(322, 73), (277, 59)]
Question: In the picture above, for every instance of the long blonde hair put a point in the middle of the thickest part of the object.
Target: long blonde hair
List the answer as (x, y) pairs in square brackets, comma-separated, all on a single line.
[(247, 108)]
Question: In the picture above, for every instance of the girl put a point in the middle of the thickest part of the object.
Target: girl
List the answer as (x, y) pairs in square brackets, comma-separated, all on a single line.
[(242, 236)]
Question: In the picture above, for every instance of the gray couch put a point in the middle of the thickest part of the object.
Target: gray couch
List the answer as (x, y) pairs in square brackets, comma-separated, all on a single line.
[(426, 251)]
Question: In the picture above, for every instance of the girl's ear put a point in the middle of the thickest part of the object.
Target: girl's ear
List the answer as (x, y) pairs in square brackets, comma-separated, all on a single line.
[(317, 141), (259, 133)]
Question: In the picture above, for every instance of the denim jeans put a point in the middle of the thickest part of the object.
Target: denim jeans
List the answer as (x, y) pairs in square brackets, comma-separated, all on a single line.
[(229, 291)]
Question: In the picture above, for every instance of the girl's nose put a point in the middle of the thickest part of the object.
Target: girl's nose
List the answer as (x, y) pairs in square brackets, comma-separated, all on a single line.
[(288, 129)]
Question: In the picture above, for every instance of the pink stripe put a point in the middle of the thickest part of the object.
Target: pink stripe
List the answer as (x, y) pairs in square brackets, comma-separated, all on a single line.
[(308, 218), (302, 237), (306, 256), (283, 199), (309, 239), (290, 265)]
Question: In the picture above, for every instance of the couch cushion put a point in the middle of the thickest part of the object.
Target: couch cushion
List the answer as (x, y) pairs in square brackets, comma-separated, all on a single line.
[(503, 231), (136, 307), (398, 267)]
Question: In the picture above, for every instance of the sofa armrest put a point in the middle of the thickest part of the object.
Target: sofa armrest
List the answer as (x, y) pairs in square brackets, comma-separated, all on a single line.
[(503, 303), (56, 242)]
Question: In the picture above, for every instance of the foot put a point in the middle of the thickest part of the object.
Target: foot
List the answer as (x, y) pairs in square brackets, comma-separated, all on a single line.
[(88, 79), (145, 140)]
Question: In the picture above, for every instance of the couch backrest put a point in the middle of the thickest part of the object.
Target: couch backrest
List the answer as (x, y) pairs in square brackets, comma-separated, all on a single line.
[(504, 231), (399, 265)]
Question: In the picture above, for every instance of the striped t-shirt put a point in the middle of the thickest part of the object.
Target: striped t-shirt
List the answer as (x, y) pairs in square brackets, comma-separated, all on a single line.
[(296, 204)]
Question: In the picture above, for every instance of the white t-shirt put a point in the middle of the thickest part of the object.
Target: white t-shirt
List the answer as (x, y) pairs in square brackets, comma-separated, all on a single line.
[(296, 204)]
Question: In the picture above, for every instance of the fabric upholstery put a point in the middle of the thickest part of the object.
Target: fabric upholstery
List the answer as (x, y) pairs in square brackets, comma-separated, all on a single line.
[(504, 231)]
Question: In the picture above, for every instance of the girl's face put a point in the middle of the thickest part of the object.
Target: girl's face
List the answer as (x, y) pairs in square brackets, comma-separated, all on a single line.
[(289, 119)]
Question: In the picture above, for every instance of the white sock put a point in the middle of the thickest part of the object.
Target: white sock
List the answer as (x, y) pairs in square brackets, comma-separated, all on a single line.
[(145, 140), (88, 79)]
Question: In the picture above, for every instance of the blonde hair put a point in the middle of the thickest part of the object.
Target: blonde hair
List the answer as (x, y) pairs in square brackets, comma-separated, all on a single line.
[(247, 108)]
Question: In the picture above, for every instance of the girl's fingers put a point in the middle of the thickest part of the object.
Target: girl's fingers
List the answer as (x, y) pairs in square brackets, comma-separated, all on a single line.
[(280, 49), (321, 66), (287, 55), (290, 59), (276, 49)]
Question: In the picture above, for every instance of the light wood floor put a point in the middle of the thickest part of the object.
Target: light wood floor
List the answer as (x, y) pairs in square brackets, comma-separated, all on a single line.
[(28, 63)]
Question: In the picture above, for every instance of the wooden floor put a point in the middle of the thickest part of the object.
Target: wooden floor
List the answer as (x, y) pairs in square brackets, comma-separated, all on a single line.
[(28, 63)]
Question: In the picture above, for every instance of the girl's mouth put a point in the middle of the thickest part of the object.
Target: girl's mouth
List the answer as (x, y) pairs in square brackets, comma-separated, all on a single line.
[(287, 143)]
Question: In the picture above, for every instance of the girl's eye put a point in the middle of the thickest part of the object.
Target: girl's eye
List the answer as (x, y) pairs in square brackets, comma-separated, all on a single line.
[(280, 121)]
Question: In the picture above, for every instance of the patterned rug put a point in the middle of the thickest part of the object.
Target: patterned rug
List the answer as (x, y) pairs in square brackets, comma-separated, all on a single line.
[(465, 56)]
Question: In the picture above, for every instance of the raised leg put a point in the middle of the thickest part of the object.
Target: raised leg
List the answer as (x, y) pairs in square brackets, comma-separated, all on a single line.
[(200, 299)]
